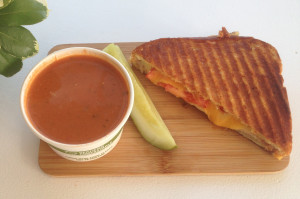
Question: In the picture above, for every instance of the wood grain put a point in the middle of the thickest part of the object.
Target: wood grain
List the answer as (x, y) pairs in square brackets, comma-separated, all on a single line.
[(203, 148)]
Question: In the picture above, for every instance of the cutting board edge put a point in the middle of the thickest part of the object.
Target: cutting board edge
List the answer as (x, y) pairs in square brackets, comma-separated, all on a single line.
[(62, 46), (164, 174)]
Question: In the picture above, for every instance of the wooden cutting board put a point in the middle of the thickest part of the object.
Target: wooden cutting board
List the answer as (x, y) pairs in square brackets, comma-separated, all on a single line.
[(203, 148)]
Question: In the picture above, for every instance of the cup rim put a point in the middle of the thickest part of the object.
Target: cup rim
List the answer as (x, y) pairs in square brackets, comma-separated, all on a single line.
[(52, 56)]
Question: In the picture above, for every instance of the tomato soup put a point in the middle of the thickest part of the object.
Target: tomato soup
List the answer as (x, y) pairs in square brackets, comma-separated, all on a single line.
[(77, 99)]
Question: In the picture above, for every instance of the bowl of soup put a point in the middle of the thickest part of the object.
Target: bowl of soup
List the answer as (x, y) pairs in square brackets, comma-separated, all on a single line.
[(78, 100)]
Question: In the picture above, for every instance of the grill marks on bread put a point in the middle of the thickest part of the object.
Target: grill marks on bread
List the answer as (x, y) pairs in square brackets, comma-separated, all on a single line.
[(241, 74)]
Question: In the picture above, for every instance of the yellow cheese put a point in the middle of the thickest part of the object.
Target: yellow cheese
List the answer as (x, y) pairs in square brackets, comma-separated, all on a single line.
[(214, 113), (221, 118)]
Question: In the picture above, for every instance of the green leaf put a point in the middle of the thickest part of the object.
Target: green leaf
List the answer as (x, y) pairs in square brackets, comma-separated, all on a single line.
[(18, 41), (4, 3), (23, 12), (9, 64)]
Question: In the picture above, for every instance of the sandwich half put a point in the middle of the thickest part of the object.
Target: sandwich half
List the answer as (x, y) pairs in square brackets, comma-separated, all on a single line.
[(235, 80)]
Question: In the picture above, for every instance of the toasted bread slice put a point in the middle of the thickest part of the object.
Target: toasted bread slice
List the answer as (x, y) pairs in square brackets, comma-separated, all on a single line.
[(235, 80)]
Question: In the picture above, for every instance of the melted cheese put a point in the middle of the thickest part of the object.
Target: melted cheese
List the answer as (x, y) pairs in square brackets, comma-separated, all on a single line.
[(214, 113), (221, 118)]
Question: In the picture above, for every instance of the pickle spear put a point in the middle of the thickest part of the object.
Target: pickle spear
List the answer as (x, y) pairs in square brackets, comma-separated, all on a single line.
[(144, 114)]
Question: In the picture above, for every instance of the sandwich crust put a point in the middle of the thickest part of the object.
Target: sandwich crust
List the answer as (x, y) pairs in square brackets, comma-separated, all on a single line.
[(240, 74)]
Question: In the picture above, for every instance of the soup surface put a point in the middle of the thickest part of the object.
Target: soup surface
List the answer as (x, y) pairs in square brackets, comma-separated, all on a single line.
[(77, 99)]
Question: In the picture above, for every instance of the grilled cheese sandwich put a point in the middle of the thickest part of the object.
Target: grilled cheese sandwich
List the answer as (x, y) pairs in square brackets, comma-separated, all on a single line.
[(235, 80)]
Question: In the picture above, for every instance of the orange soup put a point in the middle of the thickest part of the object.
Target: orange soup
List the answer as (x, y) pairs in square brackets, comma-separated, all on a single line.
[(77, 99)]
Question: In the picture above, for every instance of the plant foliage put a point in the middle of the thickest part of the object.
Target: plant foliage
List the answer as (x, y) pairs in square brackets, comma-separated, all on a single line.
[(16, 42)]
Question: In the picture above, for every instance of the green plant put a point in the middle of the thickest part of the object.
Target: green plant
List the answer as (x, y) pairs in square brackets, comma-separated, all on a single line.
[(16, 42)]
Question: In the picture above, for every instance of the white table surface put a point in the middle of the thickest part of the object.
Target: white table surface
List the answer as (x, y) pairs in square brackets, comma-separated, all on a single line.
[(76, 21)]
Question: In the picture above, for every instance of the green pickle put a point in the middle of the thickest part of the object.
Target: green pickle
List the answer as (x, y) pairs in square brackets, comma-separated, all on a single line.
[(144, 114)]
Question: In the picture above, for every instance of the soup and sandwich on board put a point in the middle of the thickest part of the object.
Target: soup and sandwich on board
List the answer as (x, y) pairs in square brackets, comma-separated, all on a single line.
[(77, 99)]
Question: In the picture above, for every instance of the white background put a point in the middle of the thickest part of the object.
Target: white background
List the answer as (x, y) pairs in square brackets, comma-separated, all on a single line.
[(91, 21)]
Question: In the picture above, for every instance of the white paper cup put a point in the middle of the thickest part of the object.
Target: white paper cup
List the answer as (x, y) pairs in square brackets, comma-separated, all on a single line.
[(87, 151)]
